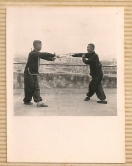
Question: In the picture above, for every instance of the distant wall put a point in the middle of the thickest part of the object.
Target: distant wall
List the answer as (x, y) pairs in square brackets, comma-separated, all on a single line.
[(57, 80)]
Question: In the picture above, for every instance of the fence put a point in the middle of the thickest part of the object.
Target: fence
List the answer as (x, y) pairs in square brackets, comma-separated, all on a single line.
[(71, 68)]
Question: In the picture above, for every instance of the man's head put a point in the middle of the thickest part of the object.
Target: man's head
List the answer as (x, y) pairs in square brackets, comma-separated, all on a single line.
[(90, 47), (37, 44)]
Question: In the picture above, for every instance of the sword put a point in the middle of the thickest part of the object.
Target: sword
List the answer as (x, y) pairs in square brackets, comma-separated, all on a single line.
[(74, 55)]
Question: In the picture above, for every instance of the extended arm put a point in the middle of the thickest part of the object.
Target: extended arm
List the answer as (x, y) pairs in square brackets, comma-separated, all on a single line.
[(77, 55), (47, 56), (81, 54)]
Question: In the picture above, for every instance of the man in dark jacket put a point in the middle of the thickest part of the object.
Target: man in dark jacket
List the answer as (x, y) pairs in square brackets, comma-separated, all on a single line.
[(31, 83), (92, 59)]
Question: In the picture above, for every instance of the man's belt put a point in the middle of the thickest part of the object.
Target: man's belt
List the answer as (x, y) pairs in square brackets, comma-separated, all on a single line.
[(31, 73)]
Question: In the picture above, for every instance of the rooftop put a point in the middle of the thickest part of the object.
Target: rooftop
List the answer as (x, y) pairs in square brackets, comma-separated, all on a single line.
[(66, 102)]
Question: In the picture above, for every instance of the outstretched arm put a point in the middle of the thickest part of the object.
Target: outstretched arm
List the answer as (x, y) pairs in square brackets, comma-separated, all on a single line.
[(81, 54), (77, 55), (47, 56)]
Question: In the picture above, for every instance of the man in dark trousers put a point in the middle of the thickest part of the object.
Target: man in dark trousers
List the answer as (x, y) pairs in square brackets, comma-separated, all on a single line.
[(92, 59), (31, 83)]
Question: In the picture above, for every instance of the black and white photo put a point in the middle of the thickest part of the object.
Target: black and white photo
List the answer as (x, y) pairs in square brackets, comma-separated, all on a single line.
[(65, 78)]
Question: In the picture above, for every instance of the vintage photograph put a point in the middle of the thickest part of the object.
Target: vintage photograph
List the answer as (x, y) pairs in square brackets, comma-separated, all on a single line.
[(65, 84), (64, 62)]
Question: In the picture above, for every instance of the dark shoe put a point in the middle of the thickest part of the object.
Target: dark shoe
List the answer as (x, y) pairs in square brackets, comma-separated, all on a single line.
[(102, 102), (41, 105), (87, 98), (28, 103)]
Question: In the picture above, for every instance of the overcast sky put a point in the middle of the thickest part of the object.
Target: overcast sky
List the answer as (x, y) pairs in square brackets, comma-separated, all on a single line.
[(63, 30)]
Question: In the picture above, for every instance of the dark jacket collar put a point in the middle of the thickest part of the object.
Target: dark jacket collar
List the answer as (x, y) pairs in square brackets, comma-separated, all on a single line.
[(35, 50), (92, 53)]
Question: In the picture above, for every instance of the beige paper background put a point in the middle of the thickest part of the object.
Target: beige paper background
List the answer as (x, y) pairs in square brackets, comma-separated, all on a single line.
[(65, 139), (128, 72)]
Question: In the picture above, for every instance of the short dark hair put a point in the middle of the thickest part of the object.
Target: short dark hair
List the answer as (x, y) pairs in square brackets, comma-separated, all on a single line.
[(92, 45), (36, 41)]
